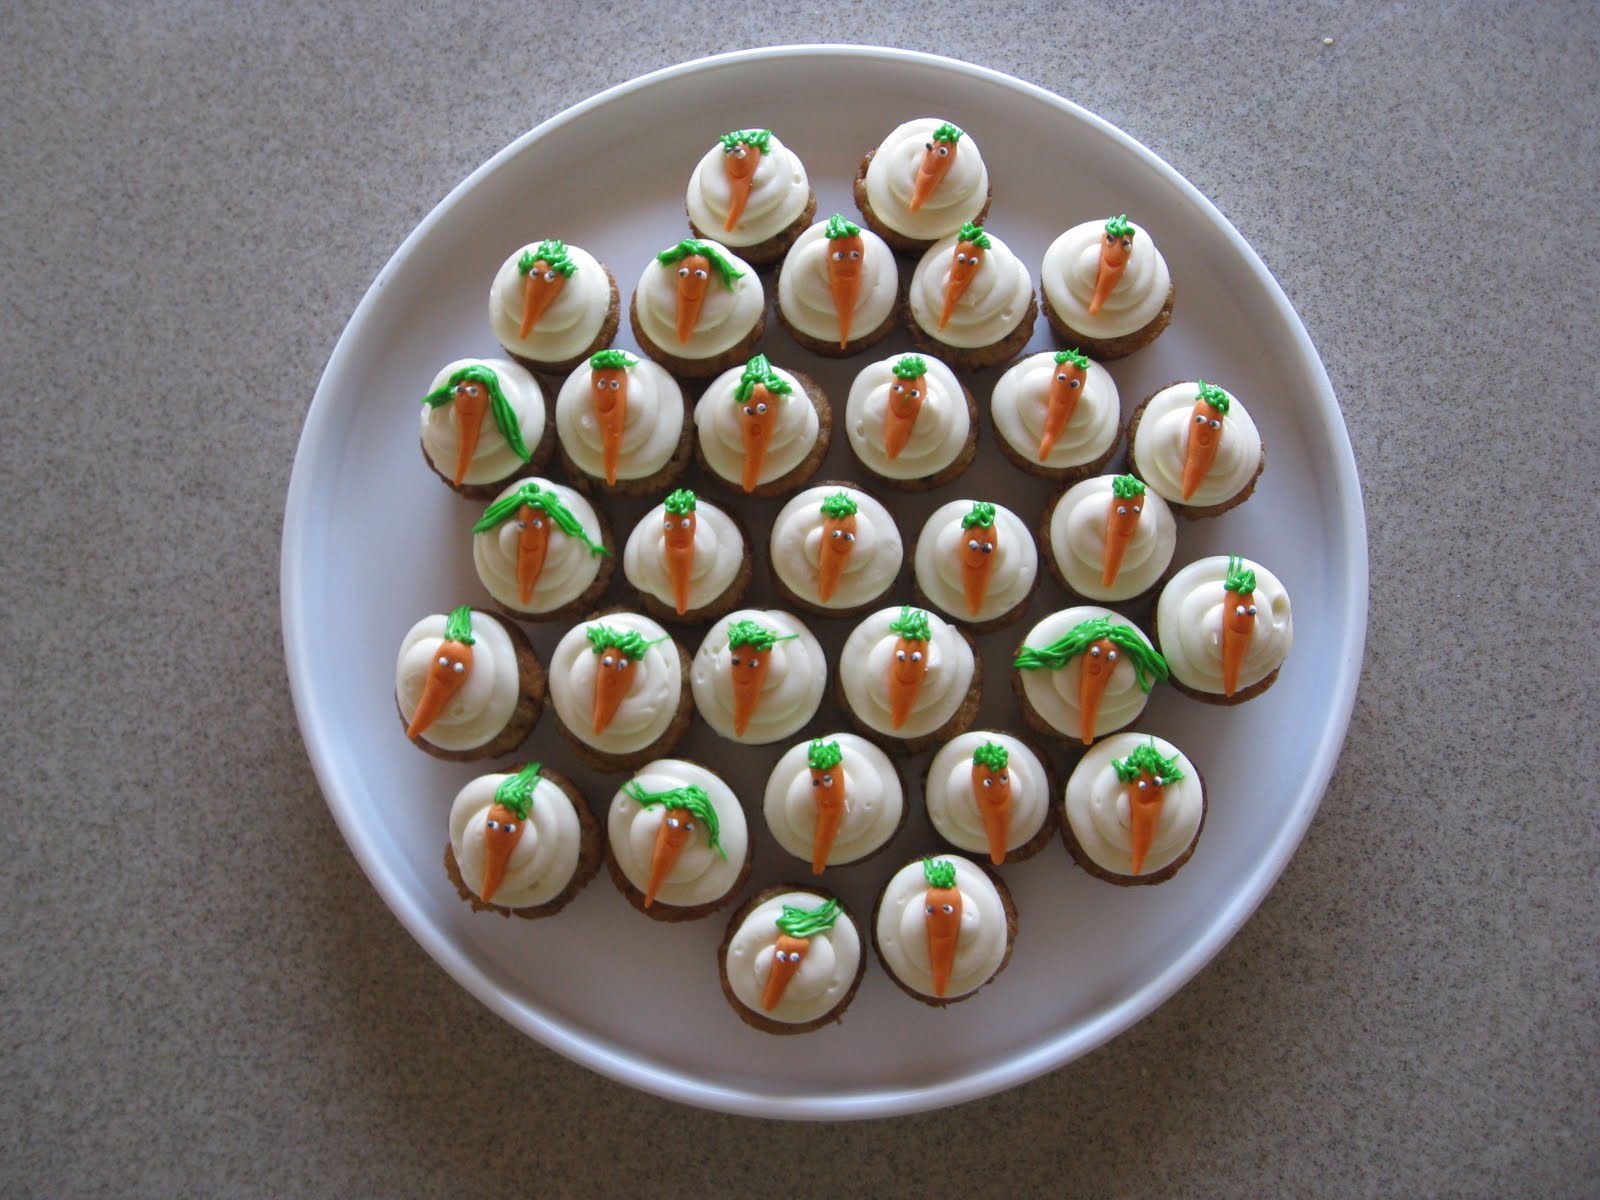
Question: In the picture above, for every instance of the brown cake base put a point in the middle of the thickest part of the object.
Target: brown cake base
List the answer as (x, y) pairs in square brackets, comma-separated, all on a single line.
[(538, 456), (607, 334), (1047, 827), (590, 595), (1011, 940), (898, 241), (661, 747), (1154, 877), (1194, 512), (805, 468), (758, 1020), (1105, 349), (960, 721), (718, 606), (974, 358), (944, 475), (829, 347), (764, 253), (656, 482), (530, 703), (696, 368)]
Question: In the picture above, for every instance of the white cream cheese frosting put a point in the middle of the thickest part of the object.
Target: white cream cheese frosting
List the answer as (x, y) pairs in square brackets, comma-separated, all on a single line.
[(873, 800), (903, 937), (994, 304), (572, 322), (892, 173), (1077, 539), (1162, 441), (1096, 807), (1189, 625), (807, 300), (864, 665), (1021, 400), (546, 854), (1068, 274), (939, 434), (779, 193), (717, 424), (651, 427), (797, 675), (953, 808), (826, 973), (651, 703), (1054, 693), (479, 710), (726, 318), (701, 875), (570, 567), (719, 552), (797, 539), (493, 459), (937, 561)]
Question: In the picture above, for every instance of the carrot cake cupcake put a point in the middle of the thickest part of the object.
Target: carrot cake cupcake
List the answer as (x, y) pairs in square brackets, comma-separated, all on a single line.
[(622, 422), (750, 192), (791, 960), (758, 676), (761, 428), (834, 800), (839, 290), (676, 842), (943, 928), (1224, 626), (1058, 415), (522, 844), (1106, 288), (616, 684), (699, 309), (924, 181), (971, 301), (1083, 672), (1110, 539), (542, 551), (976, 562), (990, 793), (553, 305), (467, 685), (911, 422), (909, 678), (1134, 810), (688, 559), (483, 423), (1196, 445), (834, 550)]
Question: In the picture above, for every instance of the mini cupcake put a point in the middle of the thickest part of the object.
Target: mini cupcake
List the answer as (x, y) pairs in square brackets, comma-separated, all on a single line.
[(834, 801), (467, 685), (1196, 445), (758, 676), (943, 928), (971, 301), (1110, 539), (834, 550), (689, 560), (1106, 288), (976, 562), (989, 793), (699, 309), (1083, 672), (1134, 810), (1224, 627), (616, 684), (553, 305), (909, 678), (750, 192), (839, 290), (483, 423), (542, 551), (763, 429), (622, 422), (676, 842), (1058, 415), (791, 960), (522, 844), (923, 182), (911, 422)]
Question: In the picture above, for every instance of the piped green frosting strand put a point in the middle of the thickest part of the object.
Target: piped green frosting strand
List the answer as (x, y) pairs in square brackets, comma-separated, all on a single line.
[(1126, 487), (1239, 578), (992, 755), (1147, 758), (840, 226), (947, 133), (761, 139), (910, 366), (1119, 226), (755, 635), (981, 514), (1148, 666), (680, 503), (838, 506), (545, 500), (611, 360), (939, 873), (515, 793), (911, 624), (505, 417), (759, 370), (458, 626), (824, 756), (1076, 357), (555, 256), (690, 798), (974, 234), (1214, 396), (626, 641), (808, 922), (688, 246)]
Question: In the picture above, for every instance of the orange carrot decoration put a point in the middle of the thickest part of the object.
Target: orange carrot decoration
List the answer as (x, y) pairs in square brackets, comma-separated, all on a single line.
[(1238, 620), (977, 554), (1205, 434), (683, 808), (1115, 249), (537, 510), (991, 791), (678, 544), (826, 762), (619, 652), (608, 385), (938, 156), (502, 827), (838, 539), (909, 667), (1061, 401), (447, 672), (796, 928), (1122, 518), (1147, 774), (844, 263), (544, 269), (474, 392), (741, 155), (757, 395), (942, 919), (695, 260), (751, 647), (1102, 645), (905, 402), (971, 243)]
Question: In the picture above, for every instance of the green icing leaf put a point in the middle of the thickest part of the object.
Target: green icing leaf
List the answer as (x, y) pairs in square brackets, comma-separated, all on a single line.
[(947, 133), (1126, 487), (839, 227), (939, 873), (680, 502), (545, 500), (981, 514), (689, 246), (505, 417), (759, 370), (910, 366), (761, 139), (1076, 358), (611, 360), (824, 756), (838, 506), (1239, 579), (627, 641), (755, 635), (808, 922), (1214, 396), (1148, 759), (1119, 227), (690, 798), (515, 792), (553, 253), (458, 626), (974, 234), (1148, 666), (992, 755), (911, 624)]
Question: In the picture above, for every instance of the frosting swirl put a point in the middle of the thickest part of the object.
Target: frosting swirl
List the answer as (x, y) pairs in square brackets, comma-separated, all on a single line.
[(572, 322), (479, 710), (942, 425), (701, 875), (779, 193), (1162, 441), (806, 298), (719, 552), (864, 673), (1021, 401), (826, 973), (1068, 274), (873, 801), (546, 854), (570, 568), (1189, 624), (793, 436), (651, 428), (1054, 694), (892, 173), (953, 809), (493, 459), (994, 303), (902, 933), (797, 539), (651, 703), (937, 561), (797, 675), (1077, 538), (1096, 807), (726, 318)]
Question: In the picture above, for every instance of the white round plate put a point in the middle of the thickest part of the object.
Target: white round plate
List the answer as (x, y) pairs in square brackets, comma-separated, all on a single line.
[(372, 541)]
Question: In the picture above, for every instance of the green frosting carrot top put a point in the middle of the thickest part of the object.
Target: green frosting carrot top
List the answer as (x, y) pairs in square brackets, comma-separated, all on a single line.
[(838, 506), (947, 133), (759, 370), (690, 798), (992, 755), (910, 366), (1214, 396), (808, 922), (755, 635), (545, 500), (1239, 579), (515, 792), (505, 417), (1126, 487), (939, 873), (1119, 227), (824, 756), (554, 255), (626, 641), (1148, 666), (839, 227), (458, 626), (611, 360), (981, 515), (1075, 357), (689, 246), (761, 139), (680, 502), (911, 624), (974, 234), (1147, 758)]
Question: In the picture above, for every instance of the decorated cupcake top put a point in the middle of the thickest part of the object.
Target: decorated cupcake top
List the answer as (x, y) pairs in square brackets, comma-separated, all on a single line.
[(839, 282), (479, 419), (1134, 803), (457, 679), (926, 179), (758, 676), (975, 560), (1196, 444), (538, 546), (616, 682), (1225, 624), (677, 834), (833, 800), (619, 417), (907, 417), (1112, 537), (747, 188), (794, 957), (835, 547), (685, 552), (942, 927), (969, 289), (1058, 410), (756, 424), (549, 301), (906, 672), (1105, 278), (987, 793), (516, 838), (1088, 671), (697, 299)]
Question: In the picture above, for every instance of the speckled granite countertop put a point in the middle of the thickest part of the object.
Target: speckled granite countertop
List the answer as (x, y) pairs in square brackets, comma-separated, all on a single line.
[(203, 995)]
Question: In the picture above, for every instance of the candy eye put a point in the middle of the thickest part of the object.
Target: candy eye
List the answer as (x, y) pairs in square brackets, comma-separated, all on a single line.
[(838, 533), (899, 389), (1111, 656), (1005, 776), (943, 151), (1199, 419), (673, 823), (537, 523), (1159, 781), (916, 656), (607, 661), (849, 537), (972, 543), (1138, 508), (1126, 242), (699, 272), (927, 145), (855, 254), (1061, 378), (761, 407), (900, 655), (1094, 651), (549, 276), (683, 524), (827, 780), (949, 908), (914, 393), (1216, 424), (1238, 610), (1122, 510), (988, 783), (509, 827), (616, 385), (1076, 383), (748, 411), (739, 151), (838, 256), (688, 826), (1143, 784), (458, 668), (1252, 610), (522, 524), (736, 660), (443, 661), (961, 258), (491, 823), (930, 910), (988, 547), (683, 272), (1110, 241)]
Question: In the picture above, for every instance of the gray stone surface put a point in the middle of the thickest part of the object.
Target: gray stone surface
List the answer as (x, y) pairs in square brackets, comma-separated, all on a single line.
[(202, 995)]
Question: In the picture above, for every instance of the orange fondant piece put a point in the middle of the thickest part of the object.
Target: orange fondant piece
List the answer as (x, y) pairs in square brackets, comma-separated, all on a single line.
[(1114, 254), (834, 553), (533, 541), (694, 280), (678, 550), (968, 258), (846, 258), (446, 673), (1098, 662), (907, 669), (1237, 628), (613, 676), (741, 173), (1205, 435), (792, 950), (991, 790), (942, 918), (1145, 797), (758, 416), (900, 418), (1061, 401), (937, 159), (827, 789), (671, 837), (538, 293), (500, 838), (609, 388), (470, 402), (978, 548), (750, 668), (1122, 519)]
